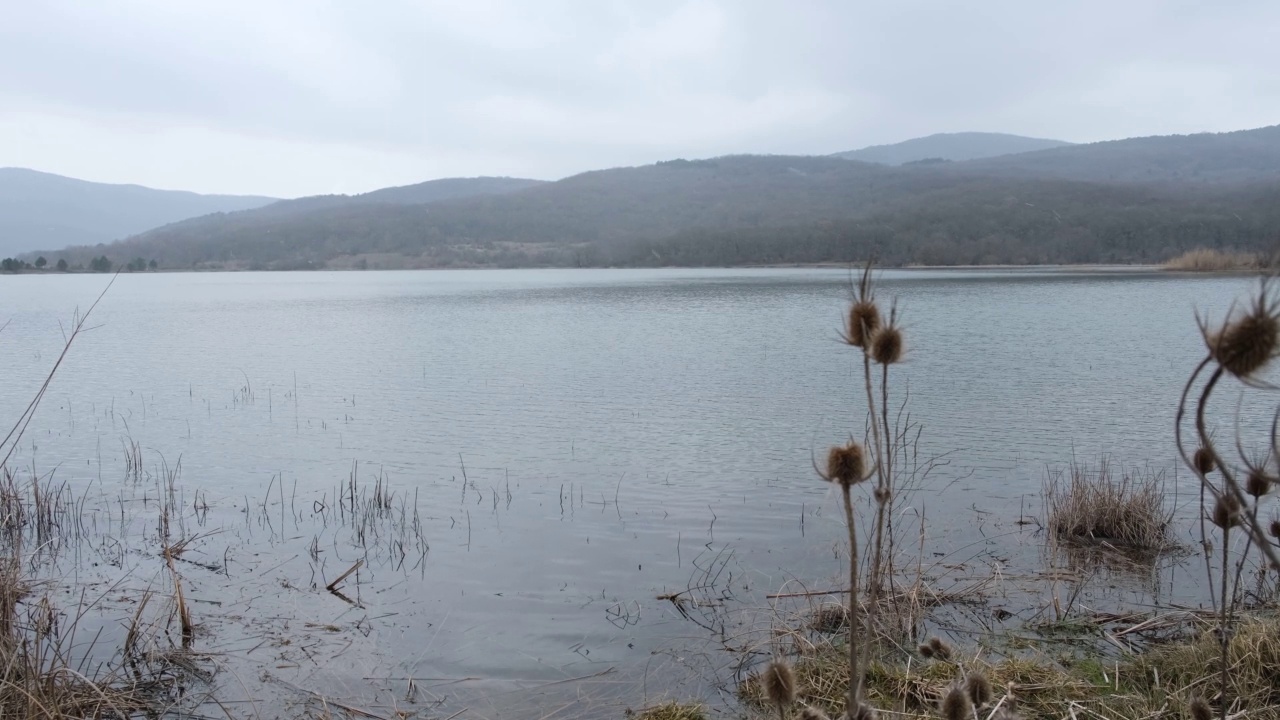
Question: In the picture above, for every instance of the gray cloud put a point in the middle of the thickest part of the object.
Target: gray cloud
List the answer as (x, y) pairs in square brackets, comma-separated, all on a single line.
[(299, 97)]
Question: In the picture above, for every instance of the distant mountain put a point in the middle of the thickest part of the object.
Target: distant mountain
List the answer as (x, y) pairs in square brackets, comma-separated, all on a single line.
[(1243, 156), (950, 146), (735, 210), (422, 193), (40, 210)]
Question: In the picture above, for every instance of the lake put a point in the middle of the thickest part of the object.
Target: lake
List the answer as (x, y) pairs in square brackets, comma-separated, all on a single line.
[(562, 448)]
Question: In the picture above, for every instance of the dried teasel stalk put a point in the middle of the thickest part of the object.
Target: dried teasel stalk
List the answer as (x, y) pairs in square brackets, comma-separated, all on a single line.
[(979, 688), (956, 704), (1258, 483), (780, 685), (1226, 511), (1246, 343), (846, 465), (1203, 460), (1200, 709), (886, 345), (941, 650), (864, 320)]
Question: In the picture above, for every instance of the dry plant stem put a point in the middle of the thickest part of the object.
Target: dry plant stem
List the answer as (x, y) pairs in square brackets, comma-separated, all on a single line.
[(855, 677), (1224, 636), (1232, 486)]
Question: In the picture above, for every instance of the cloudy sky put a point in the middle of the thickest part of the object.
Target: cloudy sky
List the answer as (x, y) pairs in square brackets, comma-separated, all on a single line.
[(291, 98)]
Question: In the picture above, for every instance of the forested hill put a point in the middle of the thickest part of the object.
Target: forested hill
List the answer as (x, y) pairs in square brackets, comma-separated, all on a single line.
[(950, 146), (1238, 157), (1134, 202), (43, 210)]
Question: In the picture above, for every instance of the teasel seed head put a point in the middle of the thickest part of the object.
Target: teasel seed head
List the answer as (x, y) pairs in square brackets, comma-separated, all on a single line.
[(1257, 484), (956, 705), (886, 345), (941, 650), (925, 650), (1203, 460), (1226, 511), (1274, 529), (780, 683), (1200, 709), (883, 494), (846, 465), (812, 713), (979, 688), (1245, 344), (864, 320)]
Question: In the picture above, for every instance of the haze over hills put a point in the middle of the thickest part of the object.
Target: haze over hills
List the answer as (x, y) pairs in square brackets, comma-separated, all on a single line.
[(1137, 200), (950, 146), (41, 210)]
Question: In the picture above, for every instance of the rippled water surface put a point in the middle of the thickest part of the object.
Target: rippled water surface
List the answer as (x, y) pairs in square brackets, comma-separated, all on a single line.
[(619, 432)]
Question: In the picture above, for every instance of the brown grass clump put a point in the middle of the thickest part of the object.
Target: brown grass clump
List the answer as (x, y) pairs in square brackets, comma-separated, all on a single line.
[(1087, 506), (1253, 661), (1208, 260)]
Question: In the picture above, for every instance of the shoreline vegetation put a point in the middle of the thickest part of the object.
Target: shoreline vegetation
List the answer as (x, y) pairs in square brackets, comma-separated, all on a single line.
[(1194, 261), (877, 646)]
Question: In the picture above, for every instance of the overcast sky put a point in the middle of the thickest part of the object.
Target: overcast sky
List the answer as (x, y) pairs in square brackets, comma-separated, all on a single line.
[(297, 98)]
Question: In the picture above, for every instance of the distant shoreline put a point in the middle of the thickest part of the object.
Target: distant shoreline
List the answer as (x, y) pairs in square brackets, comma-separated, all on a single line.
[(1145, 268)]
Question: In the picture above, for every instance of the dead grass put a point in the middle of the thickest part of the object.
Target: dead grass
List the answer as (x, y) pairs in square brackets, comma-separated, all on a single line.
[(1158, 683), (671, 711), (1209, 260), (1094, 506)]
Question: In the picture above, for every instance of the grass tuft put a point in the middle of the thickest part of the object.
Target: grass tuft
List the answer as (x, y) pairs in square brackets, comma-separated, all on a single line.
[(1092, 506)]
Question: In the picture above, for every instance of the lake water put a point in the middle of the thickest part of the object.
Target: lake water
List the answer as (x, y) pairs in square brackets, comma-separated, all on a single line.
[(623, 434)]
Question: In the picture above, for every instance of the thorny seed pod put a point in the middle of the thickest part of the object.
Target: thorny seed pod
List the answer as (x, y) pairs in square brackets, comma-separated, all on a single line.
[(979, 688), (1203, 460), (886, 345), (846, 465), (864, 320), (1246, 344), (956, 705), (941, 650), (1257, 484), (1274, 529), (863, 712), (780, 683), (1200, 709), (925, 650), (1226, 511), (882, 495), (812, 713)]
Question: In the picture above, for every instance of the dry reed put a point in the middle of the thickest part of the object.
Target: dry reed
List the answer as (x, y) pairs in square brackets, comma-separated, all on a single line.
[(1210, 260), (1092, 506)]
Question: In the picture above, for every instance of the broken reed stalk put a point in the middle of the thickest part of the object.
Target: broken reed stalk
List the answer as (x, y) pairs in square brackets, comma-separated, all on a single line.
[(331, 587)]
